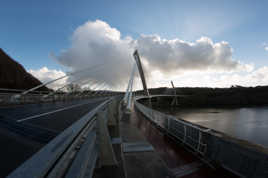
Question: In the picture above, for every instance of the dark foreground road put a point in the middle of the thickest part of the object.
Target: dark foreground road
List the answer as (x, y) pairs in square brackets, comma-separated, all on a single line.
[(20, 128)]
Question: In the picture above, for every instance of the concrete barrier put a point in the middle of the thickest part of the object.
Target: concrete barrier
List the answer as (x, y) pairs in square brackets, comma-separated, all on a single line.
[(238, 156)]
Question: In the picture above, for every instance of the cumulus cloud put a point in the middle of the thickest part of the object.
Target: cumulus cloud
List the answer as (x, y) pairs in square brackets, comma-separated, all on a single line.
[(174, 55), (44, 75), (97, 43), (256, 77)]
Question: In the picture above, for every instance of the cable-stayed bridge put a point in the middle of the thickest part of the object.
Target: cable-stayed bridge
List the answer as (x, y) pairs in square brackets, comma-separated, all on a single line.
[(104, 133)]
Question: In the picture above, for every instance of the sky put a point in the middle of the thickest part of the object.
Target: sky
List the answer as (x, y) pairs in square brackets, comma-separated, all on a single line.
[(195, 43)]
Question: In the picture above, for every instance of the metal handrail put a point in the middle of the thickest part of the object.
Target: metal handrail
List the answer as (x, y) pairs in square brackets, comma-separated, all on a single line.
[(40, 164)]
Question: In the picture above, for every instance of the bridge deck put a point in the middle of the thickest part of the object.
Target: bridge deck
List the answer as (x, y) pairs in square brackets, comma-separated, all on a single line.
[(146, 152), (140, 161)]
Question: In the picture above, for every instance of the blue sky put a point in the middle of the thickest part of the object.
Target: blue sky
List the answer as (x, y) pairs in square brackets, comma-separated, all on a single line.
[(31, 29)]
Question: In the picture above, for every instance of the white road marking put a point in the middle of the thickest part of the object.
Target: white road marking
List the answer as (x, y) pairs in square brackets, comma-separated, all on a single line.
[(51, 112)]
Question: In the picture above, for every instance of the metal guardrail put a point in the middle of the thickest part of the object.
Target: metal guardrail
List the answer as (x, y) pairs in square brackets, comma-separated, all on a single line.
[(238, 156), (74, 152)]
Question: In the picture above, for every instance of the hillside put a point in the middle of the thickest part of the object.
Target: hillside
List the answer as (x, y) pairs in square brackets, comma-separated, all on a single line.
[(235, 96), (207, 97), (14, 76)]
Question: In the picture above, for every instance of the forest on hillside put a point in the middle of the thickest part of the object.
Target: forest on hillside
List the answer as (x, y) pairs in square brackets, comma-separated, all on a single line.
[(202, 96)]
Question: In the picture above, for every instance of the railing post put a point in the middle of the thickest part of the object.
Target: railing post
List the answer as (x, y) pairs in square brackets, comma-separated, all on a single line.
[(106, 152)]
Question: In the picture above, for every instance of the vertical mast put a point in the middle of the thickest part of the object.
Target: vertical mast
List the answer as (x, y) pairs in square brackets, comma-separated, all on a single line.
[(138, 61)]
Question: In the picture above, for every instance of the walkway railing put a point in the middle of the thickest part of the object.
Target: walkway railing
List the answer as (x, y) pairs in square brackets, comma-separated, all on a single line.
[(183, 131)]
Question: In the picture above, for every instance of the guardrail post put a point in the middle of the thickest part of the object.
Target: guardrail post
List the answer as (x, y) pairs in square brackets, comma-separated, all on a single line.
[(185, 132), (199, 141), (106, 152), (111, 112), (23, 99), (169, 124)]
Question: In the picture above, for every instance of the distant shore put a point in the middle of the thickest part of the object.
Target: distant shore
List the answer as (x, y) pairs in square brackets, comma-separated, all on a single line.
[(235, 96)]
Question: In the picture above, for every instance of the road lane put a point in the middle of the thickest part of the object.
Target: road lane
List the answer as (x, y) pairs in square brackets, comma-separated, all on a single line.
[(61, 120), (14, 150), (50, 112), (24, 111)]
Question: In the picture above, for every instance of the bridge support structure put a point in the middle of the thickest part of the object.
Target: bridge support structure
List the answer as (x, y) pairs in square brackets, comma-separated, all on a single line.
[(138, 61)]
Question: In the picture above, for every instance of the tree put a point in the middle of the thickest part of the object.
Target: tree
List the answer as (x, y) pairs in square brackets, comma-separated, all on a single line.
[(73, 88)]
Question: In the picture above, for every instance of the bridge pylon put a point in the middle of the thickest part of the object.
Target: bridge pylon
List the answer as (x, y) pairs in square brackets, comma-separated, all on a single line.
[(138, 61)]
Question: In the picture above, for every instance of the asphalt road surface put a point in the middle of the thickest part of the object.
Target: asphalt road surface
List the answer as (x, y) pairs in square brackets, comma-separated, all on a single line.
[(20, 128)]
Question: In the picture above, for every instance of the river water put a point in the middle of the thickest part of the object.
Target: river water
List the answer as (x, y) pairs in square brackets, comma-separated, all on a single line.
[(245, 123)]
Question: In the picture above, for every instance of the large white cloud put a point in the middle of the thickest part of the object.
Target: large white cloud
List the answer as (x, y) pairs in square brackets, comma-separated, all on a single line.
[(97, 43), (175, 55), (44, 75), (257, 77)]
